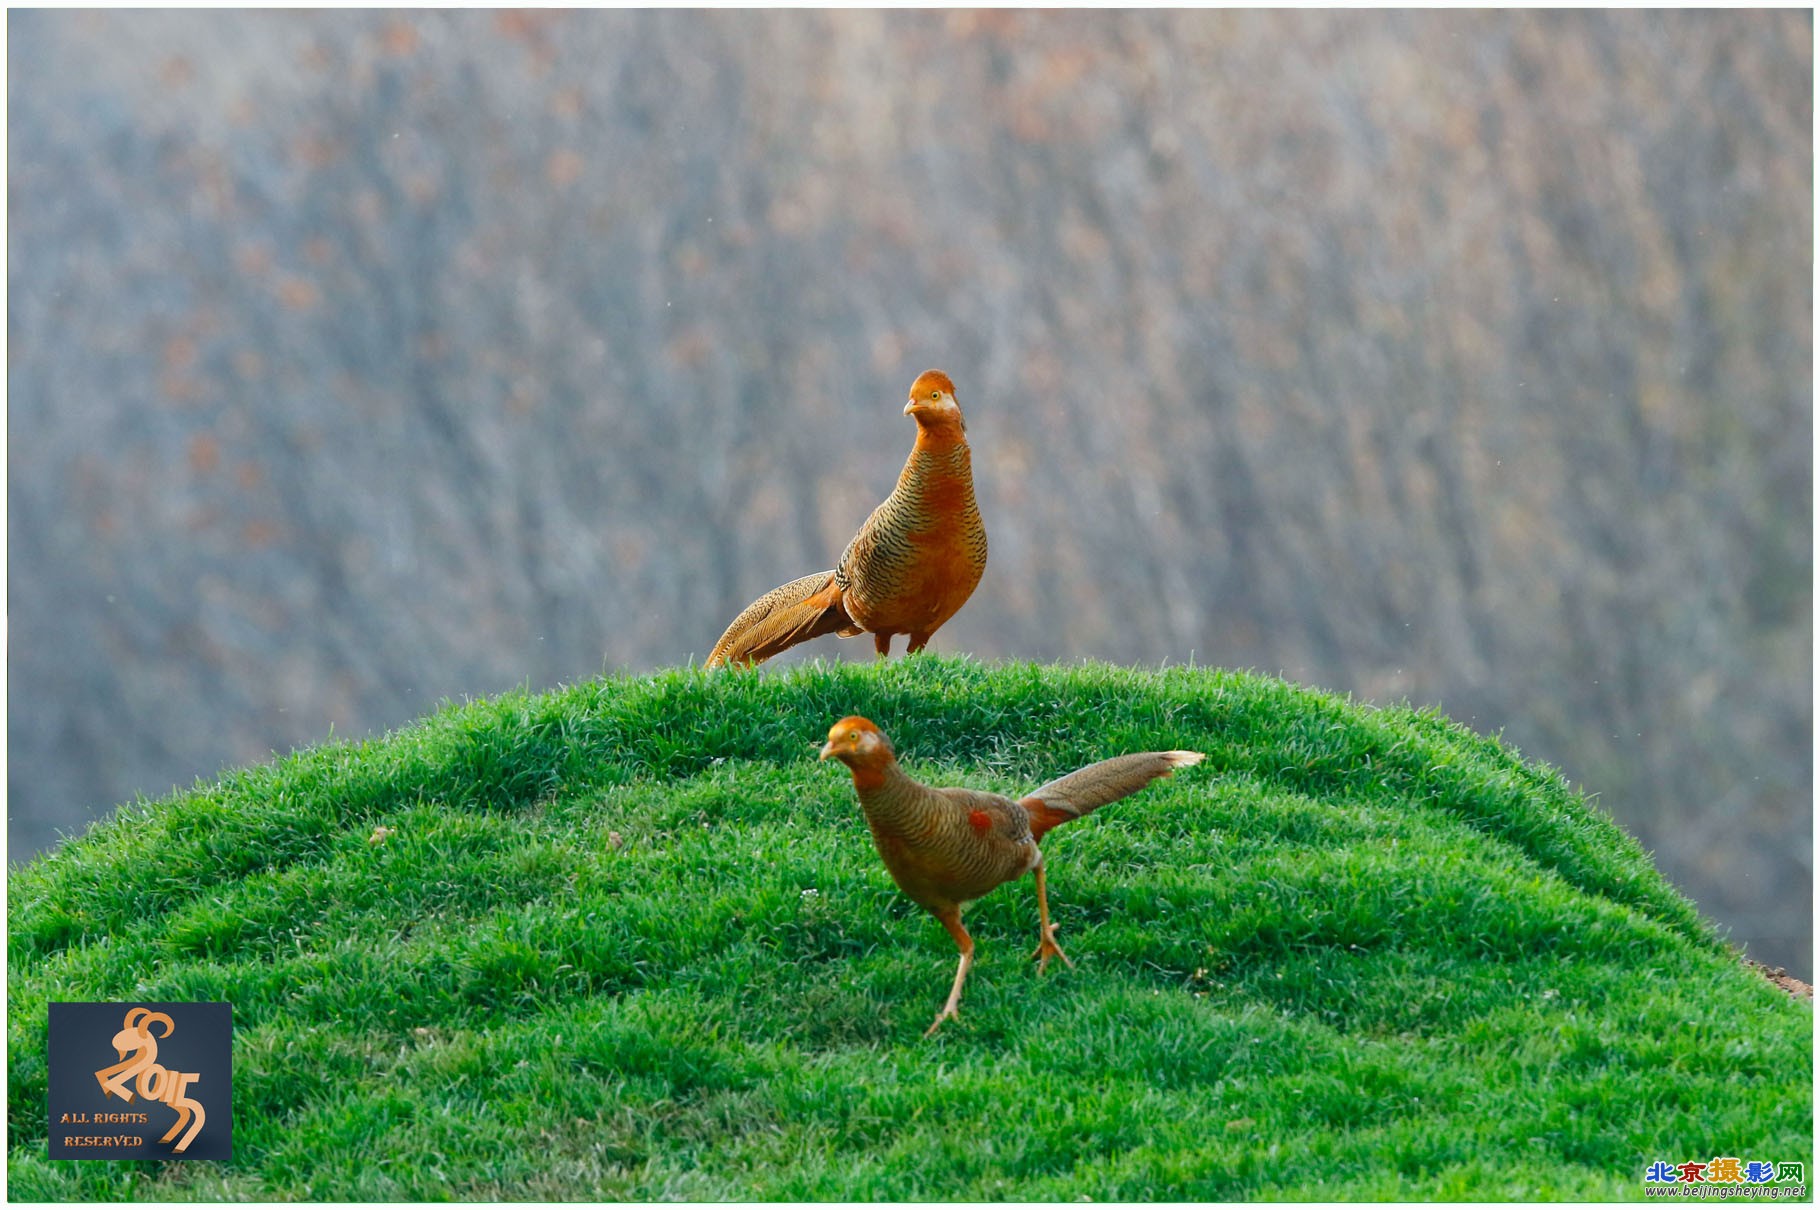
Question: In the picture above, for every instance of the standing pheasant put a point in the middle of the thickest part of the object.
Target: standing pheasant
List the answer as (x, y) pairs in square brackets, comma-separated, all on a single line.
[(946, 847), (912, 565)]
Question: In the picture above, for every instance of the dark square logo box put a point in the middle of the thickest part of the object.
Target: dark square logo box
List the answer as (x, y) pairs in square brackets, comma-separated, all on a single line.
[(141, 1080)]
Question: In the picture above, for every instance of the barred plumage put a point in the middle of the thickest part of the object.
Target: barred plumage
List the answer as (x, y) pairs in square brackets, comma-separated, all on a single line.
[(946, 847), (910, 567)]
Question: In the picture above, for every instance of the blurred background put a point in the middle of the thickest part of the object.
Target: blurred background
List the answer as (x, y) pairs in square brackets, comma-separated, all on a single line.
[(361, 360)]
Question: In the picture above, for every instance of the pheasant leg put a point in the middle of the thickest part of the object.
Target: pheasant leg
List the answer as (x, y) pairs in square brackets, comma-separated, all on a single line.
[(1047, 948), (951, 920)]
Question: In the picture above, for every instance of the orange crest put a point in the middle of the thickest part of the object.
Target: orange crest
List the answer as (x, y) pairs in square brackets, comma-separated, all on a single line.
[(851, 723), (929, 382)]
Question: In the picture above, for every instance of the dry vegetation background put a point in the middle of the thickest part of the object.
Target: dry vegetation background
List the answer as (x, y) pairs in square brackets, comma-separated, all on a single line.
[(363, 359)]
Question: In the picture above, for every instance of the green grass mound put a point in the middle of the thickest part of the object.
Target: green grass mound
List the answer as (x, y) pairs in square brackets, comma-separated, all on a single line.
[(630, 940)]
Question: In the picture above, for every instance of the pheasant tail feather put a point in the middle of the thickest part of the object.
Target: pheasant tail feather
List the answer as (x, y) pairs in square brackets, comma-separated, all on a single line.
[(1086, 790), (793, 613)]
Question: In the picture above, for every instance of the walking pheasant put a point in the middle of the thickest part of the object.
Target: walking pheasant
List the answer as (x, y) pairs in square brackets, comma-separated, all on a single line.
[(946, 847), (913, 563)]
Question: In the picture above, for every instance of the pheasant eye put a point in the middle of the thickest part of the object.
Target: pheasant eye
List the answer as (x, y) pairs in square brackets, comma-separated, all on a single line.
[(935, 394), (853, 737)]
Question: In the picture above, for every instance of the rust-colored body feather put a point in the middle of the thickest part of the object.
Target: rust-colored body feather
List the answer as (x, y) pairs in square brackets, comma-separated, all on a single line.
[(946, 847), (911, 566)]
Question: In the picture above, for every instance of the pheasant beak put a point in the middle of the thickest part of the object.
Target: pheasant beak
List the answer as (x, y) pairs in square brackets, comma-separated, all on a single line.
[(827, 750), (909, 406)]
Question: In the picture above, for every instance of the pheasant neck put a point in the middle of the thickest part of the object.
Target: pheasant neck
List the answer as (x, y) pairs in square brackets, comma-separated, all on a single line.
[(940, 433), (938, 477), (890, 798)]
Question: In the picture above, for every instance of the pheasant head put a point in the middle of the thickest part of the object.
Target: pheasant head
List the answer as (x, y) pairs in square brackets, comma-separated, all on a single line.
[(858, 744), (932, 403)]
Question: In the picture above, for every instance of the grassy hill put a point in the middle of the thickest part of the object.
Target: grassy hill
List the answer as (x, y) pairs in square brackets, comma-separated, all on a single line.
[(629, 940)]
